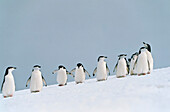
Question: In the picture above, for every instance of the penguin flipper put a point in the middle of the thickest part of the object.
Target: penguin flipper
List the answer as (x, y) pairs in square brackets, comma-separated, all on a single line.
[(29, 79), (54, 71), (127, 66), (94, 72), (149, 66), (107, 69), (87, 73), (3, 83), (69, 73), (115, 67), (73, 70), (44, 81), (135, 63)]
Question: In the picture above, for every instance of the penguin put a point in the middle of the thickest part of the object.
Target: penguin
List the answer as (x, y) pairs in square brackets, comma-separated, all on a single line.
[(62, 75), (80, 72), (149, 56), (142, 63), (8, 85), (36, 80), (121, 66), (102, 69), (128, 64), (133, 60)]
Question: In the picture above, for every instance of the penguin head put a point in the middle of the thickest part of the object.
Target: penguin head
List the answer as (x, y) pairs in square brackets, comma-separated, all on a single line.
[(142, 49), (79, 65), (10, 69), (122, 55), (61, 67), (135, 54), (101, 58), (37, 67), (147, 46)]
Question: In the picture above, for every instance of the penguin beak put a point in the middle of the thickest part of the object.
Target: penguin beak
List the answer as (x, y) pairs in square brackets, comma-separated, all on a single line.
[(144, 43), (105, 57), (15, 67)]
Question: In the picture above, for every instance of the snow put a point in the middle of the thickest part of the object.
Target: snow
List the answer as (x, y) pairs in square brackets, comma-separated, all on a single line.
[(150, 93)]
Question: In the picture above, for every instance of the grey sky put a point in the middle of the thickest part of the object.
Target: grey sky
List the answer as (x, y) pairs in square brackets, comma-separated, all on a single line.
[(53, 32)]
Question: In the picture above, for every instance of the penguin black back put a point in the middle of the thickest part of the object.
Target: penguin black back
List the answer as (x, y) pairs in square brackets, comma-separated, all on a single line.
[(149, 48)]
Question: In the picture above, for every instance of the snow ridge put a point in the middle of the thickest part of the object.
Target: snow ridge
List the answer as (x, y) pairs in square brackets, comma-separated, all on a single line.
[(131, 94)]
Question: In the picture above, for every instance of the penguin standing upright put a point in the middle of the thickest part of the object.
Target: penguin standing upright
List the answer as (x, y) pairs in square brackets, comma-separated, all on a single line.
[(80, 72), (149, 56), (8, 85), (102, 69), (132, 63), (36, 80), (142, 63), (121, 66), (62, 75)]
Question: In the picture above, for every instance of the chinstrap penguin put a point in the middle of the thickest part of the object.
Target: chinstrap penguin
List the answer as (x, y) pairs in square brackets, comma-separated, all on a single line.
[(80, 72), (149, 56), (36, 80), (121, 67), (102, 69), (142, 63), (8, 85), (62, 75)]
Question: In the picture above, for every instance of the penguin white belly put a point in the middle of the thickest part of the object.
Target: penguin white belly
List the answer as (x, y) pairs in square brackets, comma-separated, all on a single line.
[(142, 63), (8, 86), (101, 71), (150, 59), (79, 75), (121, 68), (61, 77), (36, 83)]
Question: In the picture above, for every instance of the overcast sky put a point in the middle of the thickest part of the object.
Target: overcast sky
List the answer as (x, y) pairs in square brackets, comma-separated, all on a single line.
[(54, 32)]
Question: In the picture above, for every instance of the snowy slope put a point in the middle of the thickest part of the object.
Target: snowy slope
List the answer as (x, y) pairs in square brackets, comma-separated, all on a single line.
[(149, 93)]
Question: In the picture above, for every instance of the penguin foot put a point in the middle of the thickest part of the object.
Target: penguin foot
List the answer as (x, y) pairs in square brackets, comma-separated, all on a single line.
[(8, 96), (101, 79), (61, 85), (149, 73), (133, 74), (35, 91), (141, 74), (78, 82), (120, 76)]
